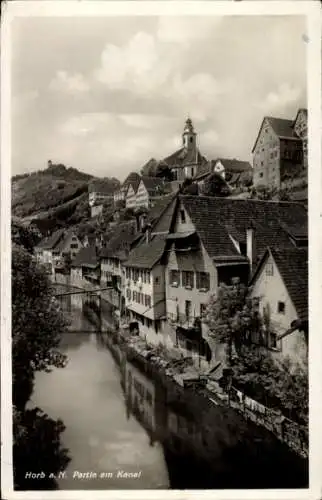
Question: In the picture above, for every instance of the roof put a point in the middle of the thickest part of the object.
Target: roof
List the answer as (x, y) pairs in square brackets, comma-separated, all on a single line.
[(184, 156), (161, 216), (87, 256), (292, 264), (43, 225), (101, 186), (152, 183), (215, 219), (282, 127), (51, 241), (146, 255), (120, 240), (61, 243), (134, 179), (235, 166)]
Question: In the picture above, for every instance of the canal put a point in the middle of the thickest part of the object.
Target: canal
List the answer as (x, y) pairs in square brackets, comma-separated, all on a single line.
[(119, 422)]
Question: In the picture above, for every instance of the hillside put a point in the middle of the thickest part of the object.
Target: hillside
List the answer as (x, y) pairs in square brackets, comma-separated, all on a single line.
[(40, 193)]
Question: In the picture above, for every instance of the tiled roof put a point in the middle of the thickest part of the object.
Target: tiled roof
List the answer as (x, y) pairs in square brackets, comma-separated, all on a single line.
[(146, 255), (184, 157), (60, 245), (293, 266), (101, 186), (281, 126), (160, 217), (86, 257), (152, 183), (214, 217), (134, 179), (51, 241), (120, 240), (235, 166)]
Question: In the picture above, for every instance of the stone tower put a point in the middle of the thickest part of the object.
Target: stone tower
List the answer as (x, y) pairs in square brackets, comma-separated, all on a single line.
[(189, 136)]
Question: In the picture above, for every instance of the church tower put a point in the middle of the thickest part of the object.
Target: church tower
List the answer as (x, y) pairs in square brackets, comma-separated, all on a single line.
[(189, 136)]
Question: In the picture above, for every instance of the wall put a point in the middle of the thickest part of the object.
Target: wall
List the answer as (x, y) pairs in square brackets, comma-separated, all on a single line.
[(266, 158), (76, 277), (130, 201), (272, 290), (142, 196), (96, 210)]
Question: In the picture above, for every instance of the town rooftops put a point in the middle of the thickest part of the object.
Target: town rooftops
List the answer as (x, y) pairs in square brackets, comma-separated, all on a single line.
[(86, 257), (119, 241), (218, 220), (146, 255), (51, 241), (292, 264), (232, 166)]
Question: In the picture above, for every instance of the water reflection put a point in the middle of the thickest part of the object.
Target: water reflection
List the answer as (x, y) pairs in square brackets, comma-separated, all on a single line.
[(117, 419)]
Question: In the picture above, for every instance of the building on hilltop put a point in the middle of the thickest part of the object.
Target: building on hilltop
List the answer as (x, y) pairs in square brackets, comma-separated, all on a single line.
[(186, 161), (280, 151)]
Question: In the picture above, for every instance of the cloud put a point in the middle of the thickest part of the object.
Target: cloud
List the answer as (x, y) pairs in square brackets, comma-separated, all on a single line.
[(281, 98), (139, 65), (70, 83)]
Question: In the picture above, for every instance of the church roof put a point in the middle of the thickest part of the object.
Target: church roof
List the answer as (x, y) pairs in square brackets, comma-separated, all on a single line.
[(184, 156)]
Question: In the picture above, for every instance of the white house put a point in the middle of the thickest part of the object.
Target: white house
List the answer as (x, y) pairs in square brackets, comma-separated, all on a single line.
[(281, 284)]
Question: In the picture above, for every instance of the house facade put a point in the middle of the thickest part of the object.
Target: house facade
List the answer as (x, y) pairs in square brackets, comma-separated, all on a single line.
[(281, 285), (278, 153), (130, 199), (120, 194), (301, 130), (53, 251)]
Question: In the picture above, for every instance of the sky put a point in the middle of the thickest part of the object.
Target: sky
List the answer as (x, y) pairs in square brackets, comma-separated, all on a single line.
[(105, 95)]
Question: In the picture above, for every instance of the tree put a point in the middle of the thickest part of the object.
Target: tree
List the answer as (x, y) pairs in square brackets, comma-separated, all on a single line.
[(37, 325), (164, 171), (215, 185), (235, 321), (189, 187)]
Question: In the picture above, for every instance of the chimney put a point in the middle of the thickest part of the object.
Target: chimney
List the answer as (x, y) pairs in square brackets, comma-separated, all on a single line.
[(251, 246), (148, 233)]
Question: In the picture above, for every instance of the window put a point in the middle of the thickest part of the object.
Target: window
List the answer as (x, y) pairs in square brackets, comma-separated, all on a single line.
[(192, 171), (174, 277), (202, 281), (148, 301), (128, 294), (74, 245), (134, 296), (188, 308), (187, 279), (261, 173), (182, 216), (269, 269), (74, 238), (281, 307), (272, 342), (148, 276), (157, 280)]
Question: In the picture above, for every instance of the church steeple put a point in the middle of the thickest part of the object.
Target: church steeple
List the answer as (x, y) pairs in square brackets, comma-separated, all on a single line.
[(189, 135)]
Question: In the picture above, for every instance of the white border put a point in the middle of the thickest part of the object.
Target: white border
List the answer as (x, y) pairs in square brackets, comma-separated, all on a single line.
[(152, 8)]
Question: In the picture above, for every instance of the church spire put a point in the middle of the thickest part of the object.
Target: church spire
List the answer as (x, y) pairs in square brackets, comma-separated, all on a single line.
[(189, 135)]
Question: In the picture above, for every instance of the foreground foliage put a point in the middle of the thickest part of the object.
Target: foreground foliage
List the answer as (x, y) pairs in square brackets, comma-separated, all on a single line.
[(234, 321), (37, 325)]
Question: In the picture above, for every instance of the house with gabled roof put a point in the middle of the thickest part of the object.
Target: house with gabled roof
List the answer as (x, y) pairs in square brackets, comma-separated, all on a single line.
[(278, 154), (54, 249), (133, 180), (214, 240), (234, 172), (280, 282)]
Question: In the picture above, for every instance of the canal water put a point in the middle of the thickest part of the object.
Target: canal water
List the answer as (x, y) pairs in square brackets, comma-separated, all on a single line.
[(123, 433), (101, 435)]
